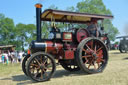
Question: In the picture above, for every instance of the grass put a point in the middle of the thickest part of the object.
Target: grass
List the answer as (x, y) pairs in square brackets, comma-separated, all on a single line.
[(114, 74), (9, 69)]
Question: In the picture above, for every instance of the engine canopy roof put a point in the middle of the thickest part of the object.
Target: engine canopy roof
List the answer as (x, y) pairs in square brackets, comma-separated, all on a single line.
[(71, 17)]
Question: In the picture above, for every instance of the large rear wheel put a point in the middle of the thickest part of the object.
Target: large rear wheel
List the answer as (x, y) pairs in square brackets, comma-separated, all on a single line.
[(41, 66), (92, 55)]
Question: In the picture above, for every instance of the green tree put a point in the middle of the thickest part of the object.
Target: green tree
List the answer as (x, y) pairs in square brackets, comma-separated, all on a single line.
[(31, 32), (52, 7), (71, 9), (25, 34), (21, 36), (7, 28), (2, 16)]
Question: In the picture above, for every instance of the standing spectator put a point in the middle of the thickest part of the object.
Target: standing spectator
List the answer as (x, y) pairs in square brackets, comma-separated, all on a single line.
[(0, 58), (5, 57), (14, 56), (11, 57), (116, 46), (20, 54)]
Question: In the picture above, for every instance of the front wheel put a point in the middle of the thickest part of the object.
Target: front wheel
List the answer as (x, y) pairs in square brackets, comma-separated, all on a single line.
[(41, 66), (24, 63), (123, 48), (92, 55)]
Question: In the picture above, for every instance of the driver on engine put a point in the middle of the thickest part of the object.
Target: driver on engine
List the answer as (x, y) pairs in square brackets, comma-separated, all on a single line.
[(54, 28), (92, 28)]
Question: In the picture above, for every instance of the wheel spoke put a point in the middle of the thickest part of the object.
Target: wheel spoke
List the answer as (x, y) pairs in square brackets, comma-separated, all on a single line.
[(45, 60), (89, 47), (94, 66), (103, 60), (45, 72), (36, 73), (99, 49), (86, 56), (37, 61), (34, 65), (41, 59), (98, 65), (95, 48), (86, 60), (100, 60), (91, 50), (46, 67), (85, 50), (89, 65), (37, 66), (32, 70), (92, 45), (41, 74)]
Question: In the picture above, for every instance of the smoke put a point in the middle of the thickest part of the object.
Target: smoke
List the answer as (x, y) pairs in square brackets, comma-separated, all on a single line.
[(126, 28)]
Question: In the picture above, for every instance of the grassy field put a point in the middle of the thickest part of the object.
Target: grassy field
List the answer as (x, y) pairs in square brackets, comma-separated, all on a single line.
[(116, 73)]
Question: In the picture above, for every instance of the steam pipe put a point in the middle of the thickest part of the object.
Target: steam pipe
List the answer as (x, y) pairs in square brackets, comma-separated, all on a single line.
[(38, 21)]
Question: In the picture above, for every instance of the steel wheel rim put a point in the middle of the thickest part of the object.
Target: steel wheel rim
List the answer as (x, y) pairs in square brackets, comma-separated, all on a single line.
[(94, 55), (123, 48), (41, 67)]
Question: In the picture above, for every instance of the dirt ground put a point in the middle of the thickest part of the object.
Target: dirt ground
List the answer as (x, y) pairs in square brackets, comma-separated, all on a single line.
[(114, 74)]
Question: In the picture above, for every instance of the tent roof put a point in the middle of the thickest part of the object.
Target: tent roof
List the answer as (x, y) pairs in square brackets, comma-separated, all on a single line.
[(7, 46)]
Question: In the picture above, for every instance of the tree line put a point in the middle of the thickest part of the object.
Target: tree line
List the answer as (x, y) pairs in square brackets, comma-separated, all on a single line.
[(21, 34)]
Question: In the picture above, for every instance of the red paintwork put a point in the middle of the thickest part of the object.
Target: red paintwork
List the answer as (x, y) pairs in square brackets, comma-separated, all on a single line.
[(82, 34), (57, 49), (69, 54), (28, 51), (53, 48), (67, 50)]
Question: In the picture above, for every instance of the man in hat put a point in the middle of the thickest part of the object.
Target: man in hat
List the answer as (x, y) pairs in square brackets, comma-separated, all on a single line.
[(92, 28)]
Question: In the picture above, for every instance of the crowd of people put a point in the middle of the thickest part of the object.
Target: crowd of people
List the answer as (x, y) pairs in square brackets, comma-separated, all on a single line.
[(7, 57)]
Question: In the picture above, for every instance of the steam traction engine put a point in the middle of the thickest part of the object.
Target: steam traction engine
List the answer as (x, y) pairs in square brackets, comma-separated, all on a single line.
[(123, 45), (74, 50)]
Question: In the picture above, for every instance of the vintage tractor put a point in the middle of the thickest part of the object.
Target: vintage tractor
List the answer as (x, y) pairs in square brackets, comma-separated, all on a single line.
[(76, 50), (123, 45)]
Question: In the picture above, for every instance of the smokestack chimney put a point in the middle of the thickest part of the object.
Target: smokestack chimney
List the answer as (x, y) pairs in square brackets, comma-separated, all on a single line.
[(38, 21)]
